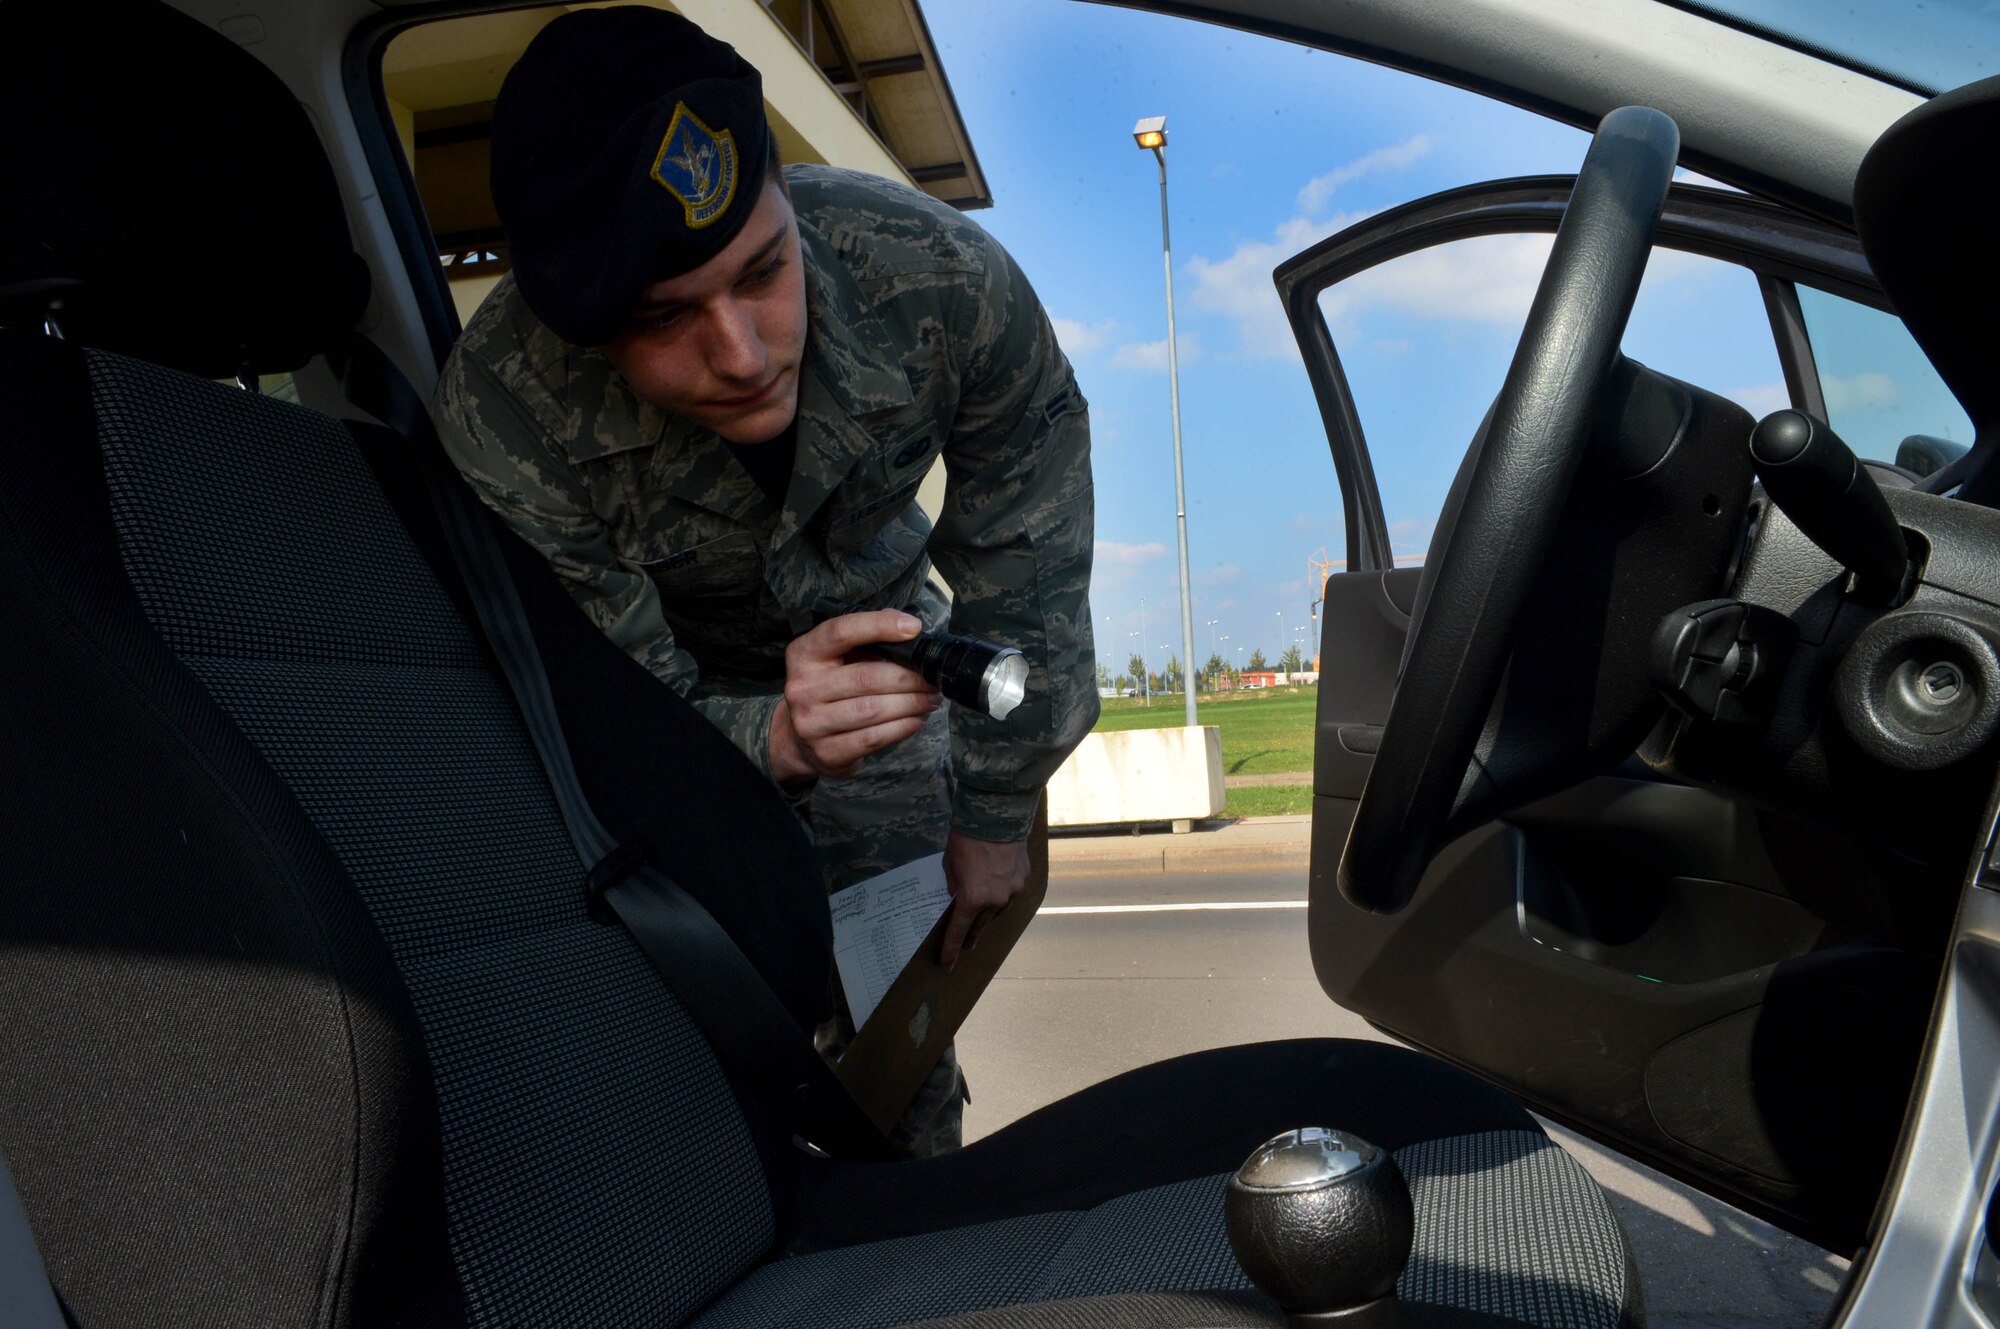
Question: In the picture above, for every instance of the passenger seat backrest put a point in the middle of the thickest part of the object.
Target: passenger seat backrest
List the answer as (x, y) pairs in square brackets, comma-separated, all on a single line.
[(592, 1149), (213, 1090), (293, 949)]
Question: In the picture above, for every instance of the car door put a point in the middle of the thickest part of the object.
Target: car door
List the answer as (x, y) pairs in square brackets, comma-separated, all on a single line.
[(1725, 990)]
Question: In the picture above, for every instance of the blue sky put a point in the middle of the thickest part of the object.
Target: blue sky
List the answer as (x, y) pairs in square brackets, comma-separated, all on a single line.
[(1271, 148)]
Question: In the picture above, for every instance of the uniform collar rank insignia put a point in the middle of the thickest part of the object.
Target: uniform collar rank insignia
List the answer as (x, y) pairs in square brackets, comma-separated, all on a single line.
[(697, 166)]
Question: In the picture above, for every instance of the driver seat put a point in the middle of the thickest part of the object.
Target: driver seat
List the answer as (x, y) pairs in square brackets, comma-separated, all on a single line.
[(306, 1021)]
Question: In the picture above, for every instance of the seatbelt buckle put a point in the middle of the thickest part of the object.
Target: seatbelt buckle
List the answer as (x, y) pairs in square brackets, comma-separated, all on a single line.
[(613, 868)]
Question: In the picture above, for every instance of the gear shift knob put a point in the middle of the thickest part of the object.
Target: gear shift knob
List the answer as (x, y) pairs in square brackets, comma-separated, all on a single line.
[(1321, 1221)]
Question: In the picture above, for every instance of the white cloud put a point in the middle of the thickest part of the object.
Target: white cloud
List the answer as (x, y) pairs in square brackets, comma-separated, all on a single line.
[(1152, 355), (1863, 392), (1761, 399), (1667, 268), (1078, 338), (1490, 279), (1302, 522), (1224, 574), (1487, 279), (1686, 177), (1239, 287), (1114, 554), (1321, 188)]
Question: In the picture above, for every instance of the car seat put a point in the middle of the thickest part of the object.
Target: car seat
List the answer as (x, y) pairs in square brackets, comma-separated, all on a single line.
[(305, 1020)]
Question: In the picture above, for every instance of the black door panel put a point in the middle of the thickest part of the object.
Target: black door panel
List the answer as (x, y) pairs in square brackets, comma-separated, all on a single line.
[(1357, 669), (1630, 956)]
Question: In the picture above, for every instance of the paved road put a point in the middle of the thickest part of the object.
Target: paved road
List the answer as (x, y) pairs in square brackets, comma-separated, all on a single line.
[(1089, 993)]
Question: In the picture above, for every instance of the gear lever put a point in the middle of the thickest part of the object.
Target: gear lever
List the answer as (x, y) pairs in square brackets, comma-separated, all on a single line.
[(1321, 1221)]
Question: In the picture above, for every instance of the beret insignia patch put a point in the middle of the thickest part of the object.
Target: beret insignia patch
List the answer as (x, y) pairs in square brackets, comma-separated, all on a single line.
[(697, 166)]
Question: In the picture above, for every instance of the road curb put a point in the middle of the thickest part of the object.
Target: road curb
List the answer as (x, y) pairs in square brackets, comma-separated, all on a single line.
[(1210, 846)]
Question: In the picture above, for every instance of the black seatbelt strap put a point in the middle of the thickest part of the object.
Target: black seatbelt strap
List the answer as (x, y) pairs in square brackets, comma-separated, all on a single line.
[(752, 1033)]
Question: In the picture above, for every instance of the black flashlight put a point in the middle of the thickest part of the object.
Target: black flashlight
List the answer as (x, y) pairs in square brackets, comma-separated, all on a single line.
[(971, 671)]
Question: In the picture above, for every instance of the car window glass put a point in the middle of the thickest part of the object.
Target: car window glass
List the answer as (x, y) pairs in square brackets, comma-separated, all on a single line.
[(1425, 340), (1880, 388)]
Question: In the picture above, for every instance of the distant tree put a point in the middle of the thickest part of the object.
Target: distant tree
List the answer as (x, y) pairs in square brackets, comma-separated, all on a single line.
[(1153, 683), (1124, 684), (1256, 661), (1136, 666), (1213, 671), (1293, 662), (1171, 679), (1103, 675)]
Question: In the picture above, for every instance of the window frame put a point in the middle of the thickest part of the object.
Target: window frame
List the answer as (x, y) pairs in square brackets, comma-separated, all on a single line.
[(1778, 245)]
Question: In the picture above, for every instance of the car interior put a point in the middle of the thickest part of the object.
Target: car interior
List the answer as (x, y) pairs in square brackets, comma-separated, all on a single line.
[(379, 945)]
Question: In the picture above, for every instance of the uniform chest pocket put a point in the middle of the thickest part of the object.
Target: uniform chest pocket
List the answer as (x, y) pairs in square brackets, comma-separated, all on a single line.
[(722, 564), (865, 520)]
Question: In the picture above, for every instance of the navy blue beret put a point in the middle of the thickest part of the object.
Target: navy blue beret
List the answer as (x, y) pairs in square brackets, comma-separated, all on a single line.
[(629, 146)]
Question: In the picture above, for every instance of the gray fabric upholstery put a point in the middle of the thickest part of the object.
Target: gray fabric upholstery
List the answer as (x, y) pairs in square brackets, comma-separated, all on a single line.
[(1143, 1310), (1508, 1225), (1167, 1239), (597, 1169), (883, 1282)]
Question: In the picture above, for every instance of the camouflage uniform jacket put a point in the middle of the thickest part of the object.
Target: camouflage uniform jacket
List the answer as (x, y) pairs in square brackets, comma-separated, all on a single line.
[(925, 340)]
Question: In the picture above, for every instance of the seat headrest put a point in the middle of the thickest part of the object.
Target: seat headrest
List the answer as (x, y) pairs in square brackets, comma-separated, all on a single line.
[(1925, 203), (169, 189)]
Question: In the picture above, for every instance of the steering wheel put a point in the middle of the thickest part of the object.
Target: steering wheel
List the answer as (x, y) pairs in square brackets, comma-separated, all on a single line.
[(1510, 508)]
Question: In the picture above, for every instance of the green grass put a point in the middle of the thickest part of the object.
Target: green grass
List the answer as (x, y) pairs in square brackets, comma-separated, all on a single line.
[(1270, 800), (1265, 731)]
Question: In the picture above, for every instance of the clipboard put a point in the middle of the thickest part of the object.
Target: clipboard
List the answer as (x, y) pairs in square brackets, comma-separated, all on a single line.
[(892, 1055)]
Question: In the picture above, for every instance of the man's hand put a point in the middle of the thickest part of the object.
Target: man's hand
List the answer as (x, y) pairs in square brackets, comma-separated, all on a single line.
[(837, 710), (983, 877)]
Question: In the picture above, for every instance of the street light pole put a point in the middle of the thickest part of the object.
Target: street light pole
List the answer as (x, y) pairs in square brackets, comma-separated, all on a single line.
[(1152, 133), (1146, 683)]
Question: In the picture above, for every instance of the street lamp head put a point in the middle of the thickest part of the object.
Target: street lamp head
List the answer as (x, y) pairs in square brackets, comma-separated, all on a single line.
[(1151, 132)]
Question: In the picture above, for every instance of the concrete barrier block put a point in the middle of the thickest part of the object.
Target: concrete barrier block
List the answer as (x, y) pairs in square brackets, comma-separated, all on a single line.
[(1140, 775)]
